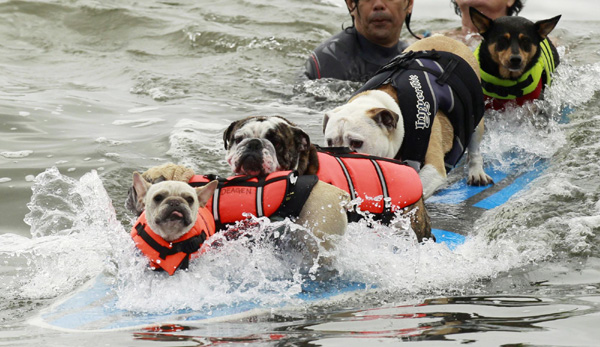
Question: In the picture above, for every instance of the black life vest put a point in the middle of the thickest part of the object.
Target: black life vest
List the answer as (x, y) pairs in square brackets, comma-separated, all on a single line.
[(425, 82)]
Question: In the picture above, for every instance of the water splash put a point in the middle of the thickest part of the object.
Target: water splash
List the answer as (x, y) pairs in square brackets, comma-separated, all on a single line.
[(75, 230), (558, 214)]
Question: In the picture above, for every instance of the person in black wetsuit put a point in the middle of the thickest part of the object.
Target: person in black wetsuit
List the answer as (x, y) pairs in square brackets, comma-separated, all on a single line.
[(356, 53)]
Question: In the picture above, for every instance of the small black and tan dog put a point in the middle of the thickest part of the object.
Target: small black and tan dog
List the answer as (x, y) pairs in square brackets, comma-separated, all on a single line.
[(516, 58)]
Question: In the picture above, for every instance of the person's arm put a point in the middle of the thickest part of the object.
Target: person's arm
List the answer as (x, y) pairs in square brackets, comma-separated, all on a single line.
[(312, 68)]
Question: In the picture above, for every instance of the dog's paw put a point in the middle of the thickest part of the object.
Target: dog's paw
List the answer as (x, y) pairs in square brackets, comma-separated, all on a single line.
[(169, 172), (431, 180), (479, 178)]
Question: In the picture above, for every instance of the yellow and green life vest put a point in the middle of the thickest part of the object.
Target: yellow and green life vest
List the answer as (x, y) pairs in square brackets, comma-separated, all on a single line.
[(504, 89)]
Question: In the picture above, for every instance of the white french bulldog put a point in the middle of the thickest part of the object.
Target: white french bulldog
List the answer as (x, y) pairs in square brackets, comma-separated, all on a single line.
[(171, 206)]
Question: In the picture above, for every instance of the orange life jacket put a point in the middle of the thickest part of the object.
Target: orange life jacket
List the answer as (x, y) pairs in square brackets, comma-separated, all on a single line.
[(385, 185), (280, 194), (169, 256)]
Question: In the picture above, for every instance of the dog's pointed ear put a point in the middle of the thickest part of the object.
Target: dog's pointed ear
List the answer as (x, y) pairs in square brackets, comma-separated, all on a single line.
[(206, 192), (140, 187), (544, 27), (227, 133), (386, 118), (479, 20), (325, 121)]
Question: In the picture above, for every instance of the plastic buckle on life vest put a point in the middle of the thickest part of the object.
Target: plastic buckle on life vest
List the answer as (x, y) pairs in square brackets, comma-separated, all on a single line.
[(398, 60), (448, 71)]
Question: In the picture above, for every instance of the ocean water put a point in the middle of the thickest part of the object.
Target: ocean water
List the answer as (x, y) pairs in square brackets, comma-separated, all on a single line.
[(92, 91)]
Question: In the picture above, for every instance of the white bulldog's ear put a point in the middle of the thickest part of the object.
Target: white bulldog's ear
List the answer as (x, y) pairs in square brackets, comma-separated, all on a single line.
[(325, 121), (206, 192), (385, 118)]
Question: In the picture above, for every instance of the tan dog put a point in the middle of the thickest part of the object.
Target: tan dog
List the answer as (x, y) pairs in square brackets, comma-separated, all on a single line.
[(392, 114)]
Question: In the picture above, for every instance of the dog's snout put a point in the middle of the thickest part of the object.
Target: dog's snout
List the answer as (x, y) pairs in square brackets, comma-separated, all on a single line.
[(515, 60), (174, 202), (254, 144)]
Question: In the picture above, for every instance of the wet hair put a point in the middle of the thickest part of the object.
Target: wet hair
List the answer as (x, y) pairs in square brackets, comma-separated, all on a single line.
[(513, 10), (350, 9)]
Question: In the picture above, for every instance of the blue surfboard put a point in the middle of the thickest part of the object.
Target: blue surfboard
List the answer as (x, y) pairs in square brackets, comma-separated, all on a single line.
[(93, 307), (453, 210)]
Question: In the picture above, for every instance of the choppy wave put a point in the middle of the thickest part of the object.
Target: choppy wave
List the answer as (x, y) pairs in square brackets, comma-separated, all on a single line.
[(558, 216), (74, 229)]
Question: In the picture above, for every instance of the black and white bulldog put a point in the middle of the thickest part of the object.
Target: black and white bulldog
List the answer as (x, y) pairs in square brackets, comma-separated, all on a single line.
[(425, 108), (259, 145)]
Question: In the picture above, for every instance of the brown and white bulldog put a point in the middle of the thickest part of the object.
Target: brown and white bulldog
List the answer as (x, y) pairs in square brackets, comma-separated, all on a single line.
[(373, 121), (263, 144), (259, 145)]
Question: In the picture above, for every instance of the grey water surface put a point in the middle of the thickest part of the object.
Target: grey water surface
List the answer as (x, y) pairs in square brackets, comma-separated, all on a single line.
[(94, 90)]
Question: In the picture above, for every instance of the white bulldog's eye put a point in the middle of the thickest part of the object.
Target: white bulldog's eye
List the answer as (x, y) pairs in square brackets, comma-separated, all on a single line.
[(238, 139), (356, 144), (158, 198), (189, 199)]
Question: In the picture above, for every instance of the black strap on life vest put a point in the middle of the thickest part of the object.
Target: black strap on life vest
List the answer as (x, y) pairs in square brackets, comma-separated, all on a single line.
[(298, 191), (188, 246), (516, 90), (455, 73), (345, 152)]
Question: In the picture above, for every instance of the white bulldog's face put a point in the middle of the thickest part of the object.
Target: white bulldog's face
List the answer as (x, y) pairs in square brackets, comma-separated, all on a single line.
[(369, 123)]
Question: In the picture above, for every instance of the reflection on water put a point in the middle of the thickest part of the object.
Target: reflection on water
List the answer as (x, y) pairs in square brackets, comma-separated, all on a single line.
[(439, 319)]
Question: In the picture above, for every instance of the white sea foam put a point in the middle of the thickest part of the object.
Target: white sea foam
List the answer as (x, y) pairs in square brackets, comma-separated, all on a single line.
[(109, 142), (74, 229), (142, 109), (16, 154), (139, 123)]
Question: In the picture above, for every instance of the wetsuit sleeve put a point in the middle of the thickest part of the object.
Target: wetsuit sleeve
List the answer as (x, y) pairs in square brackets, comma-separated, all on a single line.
[(312, 68)]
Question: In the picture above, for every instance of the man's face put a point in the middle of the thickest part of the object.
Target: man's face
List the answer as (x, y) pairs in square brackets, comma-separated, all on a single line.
[(380, 21)]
